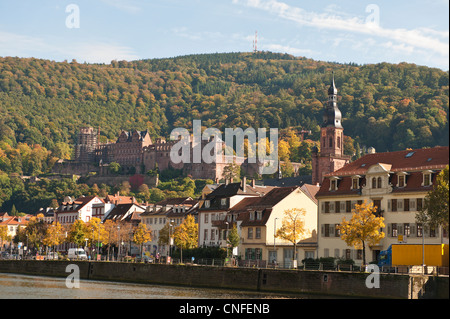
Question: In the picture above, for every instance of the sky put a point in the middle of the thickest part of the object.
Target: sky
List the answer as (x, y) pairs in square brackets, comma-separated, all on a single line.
[(99, 31)]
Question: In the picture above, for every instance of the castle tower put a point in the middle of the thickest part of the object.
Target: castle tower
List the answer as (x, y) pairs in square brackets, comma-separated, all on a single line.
[(86, 145), (331, 156)]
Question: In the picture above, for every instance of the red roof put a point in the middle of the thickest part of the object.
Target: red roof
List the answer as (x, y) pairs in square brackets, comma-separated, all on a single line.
[(408, 160), (412, 162)]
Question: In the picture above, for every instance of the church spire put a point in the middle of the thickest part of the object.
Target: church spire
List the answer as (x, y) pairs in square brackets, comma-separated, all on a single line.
[(332, 115)]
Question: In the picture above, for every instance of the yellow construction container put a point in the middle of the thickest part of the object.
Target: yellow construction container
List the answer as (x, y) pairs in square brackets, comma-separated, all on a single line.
[(411, 255)]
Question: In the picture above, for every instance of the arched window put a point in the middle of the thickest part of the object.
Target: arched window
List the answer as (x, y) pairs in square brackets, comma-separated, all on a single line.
[(379, 183), (339, 142), (374, 182), (331, 142)]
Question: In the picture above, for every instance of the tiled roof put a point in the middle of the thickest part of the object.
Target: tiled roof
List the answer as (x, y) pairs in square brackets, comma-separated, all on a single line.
[(412, 162), (408, 160)]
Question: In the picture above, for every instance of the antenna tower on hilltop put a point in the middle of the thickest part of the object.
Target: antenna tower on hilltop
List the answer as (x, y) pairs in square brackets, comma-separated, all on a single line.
[(255, 43)]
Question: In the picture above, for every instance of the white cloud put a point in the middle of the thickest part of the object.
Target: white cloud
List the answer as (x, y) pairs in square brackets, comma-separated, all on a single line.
[(286, 49), (418, 38), (12, 44)]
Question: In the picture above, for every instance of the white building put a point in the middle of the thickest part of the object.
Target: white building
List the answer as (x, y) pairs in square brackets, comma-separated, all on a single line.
[(397, 183)]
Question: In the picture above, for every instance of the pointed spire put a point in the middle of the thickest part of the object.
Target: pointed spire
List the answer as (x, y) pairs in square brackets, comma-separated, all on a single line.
[(332, 90)]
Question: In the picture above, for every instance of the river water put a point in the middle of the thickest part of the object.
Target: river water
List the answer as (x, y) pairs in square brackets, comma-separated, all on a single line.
[(14, 286)]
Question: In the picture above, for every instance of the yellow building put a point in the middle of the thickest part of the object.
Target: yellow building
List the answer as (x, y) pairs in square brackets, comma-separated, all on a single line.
[(397, 183), (260, 218)]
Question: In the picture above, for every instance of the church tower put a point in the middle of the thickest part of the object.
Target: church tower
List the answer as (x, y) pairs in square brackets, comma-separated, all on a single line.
[(331, 156)]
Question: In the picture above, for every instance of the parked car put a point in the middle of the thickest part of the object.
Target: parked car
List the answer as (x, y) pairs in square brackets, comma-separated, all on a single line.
[(146, 259), (52, 256), (77, 253)]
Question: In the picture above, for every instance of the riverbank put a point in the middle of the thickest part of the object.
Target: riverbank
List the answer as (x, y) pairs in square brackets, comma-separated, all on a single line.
[(331, 283)]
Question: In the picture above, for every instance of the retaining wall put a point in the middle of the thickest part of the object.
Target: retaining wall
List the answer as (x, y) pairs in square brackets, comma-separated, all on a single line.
[(344, 284)]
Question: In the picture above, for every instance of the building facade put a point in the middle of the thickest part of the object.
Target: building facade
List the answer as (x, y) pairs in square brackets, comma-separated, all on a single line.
[(397, 183)]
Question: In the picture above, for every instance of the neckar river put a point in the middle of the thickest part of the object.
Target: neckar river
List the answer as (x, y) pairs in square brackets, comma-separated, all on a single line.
[(14, 286)]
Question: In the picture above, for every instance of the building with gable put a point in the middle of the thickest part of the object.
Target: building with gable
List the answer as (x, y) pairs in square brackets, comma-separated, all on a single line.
[(396, 182)]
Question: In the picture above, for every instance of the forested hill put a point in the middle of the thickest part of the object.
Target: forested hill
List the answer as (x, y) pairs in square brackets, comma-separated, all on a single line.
[(44, 103)]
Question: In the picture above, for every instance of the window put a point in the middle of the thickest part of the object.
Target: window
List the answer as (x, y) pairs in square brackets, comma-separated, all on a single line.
[(355, 183), (426, 179), (258, 215), (394, 230), (206, 234), (223, 201), (338, 207), (348, 206), (394, 205), (333, 185), (326, 232), (206, 218), (250, 233), (258, 233), (213, 234), (379, 182), (327, 207), (419, 230), (337, 232), (374, 182), (406, 230), (359, 254), (207, 203), (401, 181), (406, 205), (419, 204)]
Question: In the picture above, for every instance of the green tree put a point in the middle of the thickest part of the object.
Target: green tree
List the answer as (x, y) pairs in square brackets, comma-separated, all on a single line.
[(435, 210)]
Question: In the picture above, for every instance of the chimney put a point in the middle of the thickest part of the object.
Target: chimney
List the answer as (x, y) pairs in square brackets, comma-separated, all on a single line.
[(253, 182), (244, 184), (217, 180), (227, 181)]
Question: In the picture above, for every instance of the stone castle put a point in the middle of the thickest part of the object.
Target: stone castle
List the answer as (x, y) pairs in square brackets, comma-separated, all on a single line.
[(137, 153)]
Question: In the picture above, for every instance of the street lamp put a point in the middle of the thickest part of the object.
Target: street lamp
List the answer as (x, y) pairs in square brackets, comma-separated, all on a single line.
[(226, 237), (170, 238), (274, 236), (118, 243)]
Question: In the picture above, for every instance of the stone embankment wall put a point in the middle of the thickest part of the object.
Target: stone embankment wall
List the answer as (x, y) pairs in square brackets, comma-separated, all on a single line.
[(342, 284)]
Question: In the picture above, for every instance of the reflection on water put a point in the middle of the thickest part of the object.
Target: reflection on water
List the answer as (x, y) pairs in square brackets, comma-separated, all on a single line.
[(14, 286)]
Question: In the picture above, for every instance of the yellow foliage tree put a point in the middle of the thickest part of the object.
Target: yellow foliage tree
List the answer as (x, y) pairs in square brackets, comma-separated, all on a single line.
[(186, 235), (54, 235), (363, 228), (293, 227), (142, 235)]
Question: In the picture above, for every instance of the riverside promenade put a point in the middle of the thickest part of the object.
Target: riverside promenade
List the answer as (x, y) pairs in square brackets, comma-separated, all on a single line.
[(331, 283)]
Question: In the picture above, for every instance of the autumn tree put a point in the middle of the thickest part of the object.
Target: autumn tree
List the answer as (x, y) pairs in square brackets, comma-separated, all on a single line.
[(363, 228), (78, 232), (293, 227), (142, 235), (54, 235), (233, 239), (435, 210), (186, 234)]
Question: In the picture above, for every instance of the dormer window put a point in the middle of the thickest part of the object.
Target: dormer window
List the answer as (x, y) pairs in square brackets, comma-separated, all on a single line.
[(401, 179), (333, 184), (355, 182), (427, 178), (223, 201), (207, 203)]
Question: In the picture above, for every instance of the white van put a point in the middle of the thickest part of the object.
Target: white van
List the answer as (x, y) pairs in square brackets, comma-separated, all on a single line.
[(77, 253)]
